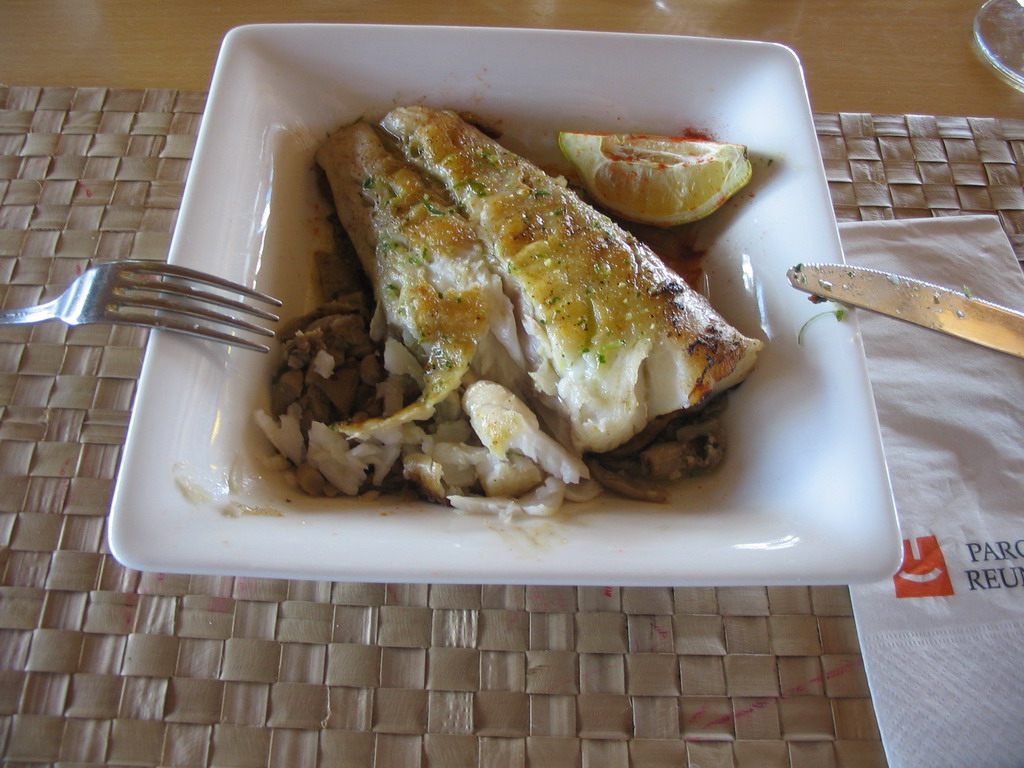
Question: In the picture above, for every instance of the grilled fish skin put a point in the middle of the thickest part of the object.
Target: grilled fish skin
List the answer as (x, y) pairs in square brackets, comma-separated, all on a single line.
[(612, 337), (425, 263)]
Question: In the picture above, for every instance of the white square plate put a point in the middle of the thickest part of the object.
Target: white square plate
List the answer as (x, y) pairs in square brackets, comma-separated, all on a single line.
[(803, 495)]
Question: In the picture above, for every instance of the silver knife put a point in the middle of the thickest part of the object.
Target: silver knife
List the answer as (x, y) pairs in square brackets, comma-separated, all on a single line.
[(938, 308)]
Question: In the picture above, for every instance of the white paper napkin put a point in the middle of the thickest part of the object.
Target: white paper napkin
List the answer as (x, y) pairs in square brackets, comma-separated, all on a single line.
[(945, 661)]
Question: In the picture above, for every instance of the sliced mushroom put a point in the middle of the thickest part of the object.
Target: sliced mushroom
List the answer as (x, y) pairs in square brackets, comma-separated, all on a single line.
[(631, 488), (426, 474)]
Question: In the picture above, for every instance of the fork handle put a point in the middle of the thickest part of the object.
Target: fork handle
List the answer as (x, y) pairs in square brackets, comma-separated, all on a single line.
[(36, 314)]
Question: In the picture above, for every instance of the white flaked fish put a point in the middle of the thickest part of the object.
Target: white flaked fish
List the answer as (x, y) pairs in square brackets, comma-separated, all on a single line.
[(611, 337), (424, 260)]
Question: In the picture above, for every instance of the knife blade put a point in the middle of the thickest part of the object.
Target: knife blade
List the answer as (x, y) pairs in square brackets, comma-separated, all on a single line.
[(936, 307)]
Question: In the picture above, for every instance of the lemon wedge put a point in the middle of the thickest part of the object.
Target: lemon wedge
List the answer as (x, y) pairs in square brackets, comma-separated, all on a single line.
[(658, 180)]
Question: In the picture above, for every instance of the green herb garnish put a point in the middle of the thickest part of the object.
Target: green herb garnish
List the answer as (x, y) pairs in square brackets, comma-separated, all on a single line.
[(839, 313)]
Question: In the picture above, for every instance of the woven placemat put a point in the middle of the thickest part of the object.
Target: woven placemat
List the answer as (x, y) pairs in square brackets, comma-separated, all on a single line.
[(103, 665)]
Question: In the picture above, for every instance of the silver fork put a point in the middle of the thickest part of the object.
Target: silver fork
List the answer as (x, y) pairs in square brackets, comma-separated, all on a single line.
[(156, 295)]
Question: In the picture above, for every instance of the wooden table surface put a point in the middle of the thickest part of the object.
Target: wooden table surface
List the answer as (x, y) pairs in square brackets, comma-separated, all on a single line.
[(880, 56)]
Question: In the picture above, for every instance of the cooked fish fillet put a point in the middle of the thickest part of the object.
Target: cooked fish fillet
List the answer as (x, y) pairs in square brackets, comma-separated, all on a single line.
[(425, 263), (611, 336)]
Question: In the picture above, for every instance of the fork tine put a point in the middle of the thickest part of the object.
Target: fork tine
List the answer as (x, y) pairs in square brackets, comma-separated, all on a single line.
[(186, 291), (185, 309), (190, 329), (139, 266)]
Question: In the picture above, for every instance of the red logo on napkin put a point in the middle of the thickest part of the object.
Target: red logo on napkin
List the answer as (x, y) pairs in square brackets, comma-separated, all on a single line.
[(924, 572)]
